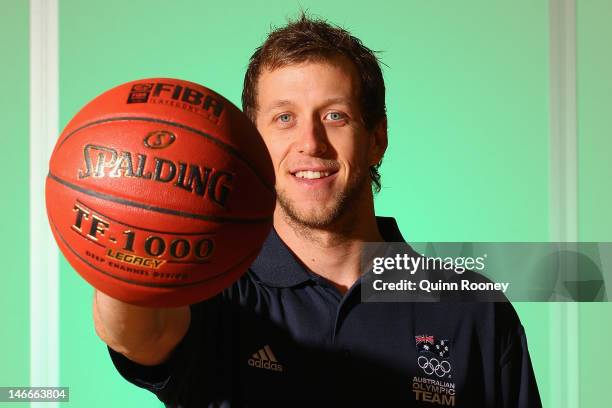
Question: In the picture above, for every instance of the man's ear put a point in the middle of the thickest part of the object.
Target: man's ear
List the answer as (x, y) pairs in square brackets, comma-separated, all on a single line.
[(378, 142)]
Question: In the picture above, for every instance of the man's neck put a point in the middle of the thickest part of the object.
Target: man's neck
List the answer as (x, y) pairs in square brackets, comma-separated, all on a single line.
[(333, 252)]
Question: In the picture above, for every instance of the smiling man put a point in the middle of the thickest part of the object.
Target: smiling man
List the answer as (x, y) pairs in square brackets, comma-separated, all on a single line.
[(293, 330), (309, 113)]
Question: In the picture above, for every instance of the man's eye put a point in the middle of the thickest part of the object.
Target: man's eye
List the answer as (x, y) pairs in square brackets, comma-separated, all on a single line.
[(335, 116), (284, 118)]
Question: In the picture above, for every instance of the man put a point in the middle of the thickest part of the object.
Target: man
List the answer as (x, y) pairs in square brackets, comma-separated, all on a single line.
[(293, 330)]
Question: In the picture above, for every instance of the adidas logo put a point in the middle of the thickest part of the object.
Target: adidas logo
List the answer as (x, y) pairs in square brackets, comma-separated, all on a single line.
[(264, 358)]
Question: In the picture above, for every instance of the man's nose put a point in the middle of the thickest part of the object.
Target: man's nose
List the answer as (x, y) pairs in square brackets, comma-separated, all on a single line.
[(312, 139)]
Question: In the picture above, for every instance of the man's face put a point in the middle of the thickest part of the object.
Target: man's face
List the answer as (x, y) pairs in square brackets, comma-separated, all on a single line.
[(310, 119)]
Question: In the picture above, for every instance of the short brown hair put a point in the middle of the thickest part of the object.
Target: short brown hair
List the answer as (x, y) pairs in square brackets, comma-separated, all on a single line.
[(309, 39)]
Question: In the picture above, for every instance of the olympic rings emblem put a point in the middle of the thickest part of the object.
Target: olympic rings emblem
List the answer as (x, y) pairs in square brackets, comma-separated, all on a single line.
[(434, 366)]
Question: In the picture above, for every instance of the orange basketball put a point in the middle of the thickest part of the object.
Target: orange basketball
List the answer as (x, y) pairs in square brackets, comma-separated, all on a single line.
[(160, 192)]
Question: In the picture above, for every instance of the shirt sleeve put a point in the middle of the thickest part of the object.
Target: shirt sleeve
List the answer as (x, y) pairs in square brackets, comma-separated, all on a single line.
[(187, 362), (518, 386)]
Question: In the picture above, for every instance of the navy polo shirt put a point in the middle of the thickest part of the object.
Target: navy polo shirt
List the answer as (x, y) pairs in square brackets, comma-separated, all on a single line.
[(283, 336)]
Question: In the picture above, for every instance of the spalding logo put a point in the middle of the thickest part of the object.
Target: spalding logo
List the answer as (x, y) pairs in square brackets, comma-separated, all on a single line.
[(159, 139)]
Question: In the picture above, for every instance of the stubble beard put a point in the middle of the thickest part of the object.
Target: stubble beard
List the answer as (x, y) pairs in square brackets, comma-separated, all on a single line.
[(327, 215)]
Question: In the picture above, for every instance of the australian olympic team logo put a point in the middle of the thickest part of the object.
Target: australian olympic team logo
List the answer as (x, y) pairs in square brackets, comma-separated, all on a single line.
[(433, 355), (433, 358)]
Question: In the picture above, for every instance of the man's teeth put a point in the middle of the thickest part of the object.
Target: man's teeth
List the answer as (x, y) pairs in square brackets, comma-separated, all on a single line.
[(311, 174)]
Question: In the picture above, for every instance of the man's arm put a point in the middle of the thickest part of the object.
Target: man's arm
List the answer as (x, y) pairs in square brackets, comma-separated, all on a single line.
[(518, 386), (144, 335)]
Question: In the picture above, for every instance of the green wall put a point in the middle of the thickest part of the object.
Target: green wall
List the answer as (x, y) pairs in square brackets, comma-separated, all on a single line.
[(14, 166), (468, 104), (594, 80)]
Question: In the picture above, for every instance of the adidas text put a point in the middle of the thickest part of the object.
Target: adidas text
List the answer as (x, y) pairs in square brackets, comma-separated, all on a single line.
[(268, 365)]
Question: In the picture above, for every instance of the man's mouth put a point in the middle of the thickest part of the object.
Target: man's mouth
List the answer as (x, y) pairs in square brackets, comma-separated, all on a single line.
[(311, 175)]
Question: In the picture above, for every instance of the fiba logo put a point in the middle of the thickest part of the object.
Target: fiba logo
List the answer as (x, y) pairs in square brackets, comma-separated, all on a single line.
[(140, 93), (179, 96)]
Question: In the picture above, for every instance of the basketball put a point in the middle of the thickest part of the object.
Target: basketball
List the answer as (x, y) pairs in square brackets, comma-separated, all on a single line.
[(160, 192)]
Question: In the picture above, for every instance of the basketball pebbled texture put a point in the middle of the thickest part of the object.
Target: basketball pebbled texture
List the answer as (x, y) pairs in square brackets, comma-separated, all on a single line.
[(160, 192)]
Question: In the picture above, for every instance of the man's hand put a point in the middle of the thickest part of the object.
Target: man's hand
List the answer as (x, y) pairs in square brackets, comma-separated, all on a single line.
[(144, 335)]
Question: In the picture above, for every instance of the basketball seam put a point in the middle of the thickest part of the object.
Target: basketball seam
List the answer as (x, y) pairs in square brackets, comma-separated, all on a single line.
[(143, 228), (168, 211), (228, 148), (139, 283)]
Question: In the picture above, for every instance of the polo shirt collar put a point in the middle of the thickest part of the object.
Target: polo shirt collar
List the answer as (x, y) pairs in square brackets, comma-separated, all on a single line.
[(277, 266)]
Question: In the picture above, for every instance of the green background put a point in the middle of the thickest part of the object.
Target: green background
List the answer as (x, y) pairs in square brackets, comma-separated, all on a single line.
[(468, 159), (14, 225)]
